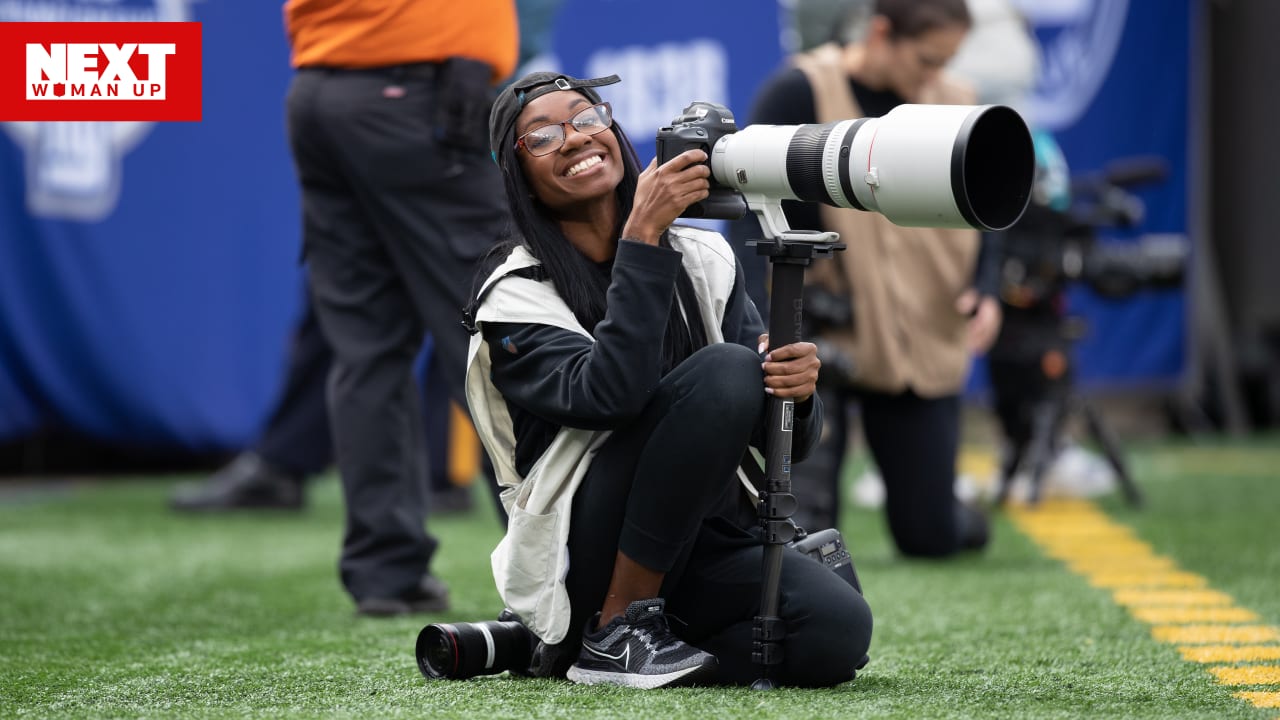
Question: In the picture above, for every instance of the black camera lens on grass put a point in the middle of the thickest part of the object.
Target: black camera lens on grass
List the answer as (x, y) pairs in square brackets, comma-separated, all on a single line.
[(457, 651)]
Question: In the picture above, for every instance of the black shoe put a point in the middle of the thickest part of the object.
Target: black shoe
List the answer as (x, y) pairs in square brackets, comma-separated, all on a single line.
[(428, 596), (248, 482), (639, 650)]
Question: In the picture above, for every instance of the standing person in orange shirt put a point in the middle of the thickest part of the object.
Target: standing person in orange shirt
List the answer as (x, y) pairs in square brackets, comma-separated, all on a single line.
[(386, 121)]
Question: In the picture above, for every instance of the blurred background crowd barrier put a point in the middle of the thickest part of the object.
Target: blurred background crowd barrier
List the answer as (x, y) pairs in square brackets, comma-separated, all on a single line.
[(149, 274)]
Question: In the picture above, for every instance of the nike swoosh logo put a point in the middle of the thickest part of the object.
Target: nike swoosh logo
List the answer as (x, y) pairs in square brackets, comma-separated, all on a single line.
[(624, 656)]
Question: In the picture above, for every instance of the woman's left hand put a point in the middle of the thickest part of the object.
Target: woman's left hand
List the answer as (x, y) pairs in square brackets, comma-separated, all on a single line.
[(791, 371)]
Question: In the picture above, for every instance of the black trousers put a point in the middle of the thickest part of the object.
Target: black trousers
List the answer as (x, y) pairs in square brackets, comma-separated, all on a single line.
[(296, 436), (663, 491), (914, 442), (393, 223)]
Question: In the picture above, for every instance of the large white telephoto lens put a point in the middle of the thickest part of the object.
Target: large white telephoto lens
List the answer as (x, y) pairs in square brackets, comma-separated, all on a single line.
[(919, 165)]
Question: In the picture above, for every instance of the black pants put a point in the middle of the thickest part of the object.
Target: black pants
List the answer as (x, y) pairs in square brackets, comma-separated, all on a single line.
[(662, 490), (914, 442), (296, 437), (393, 222)]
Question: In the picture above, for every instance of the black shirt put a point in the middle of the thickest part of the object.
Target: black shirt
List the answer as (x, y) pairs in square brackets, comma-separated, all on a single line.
[(552, 377)]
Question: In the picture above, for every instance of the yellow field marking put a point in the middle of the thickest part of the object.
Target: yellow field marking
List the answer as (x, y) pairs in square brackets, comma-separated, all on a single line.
[(1095, 544), (978, 464), (1251, 675), (1090, 545), (1084, 529), (1176, 579), (1102, 563), (1179, 605), (1215, 634), (1229, 653), (1132, 548), (1171, 598), (1176, 615), (1261, 699)]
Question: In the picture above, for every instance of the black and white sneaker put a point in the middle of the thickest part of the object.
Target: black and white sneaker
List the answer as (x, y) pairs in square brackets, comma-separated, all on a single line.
[(639, 650)]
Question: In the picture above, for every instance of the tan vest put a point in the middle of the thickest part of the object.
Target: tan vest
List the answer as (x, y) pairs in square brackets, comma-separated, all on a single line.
[(903, 281)]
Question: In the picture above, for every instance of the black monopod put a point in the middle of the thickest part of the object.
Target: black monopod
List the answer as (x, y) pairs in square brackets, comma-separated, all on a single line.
[(789, 253)]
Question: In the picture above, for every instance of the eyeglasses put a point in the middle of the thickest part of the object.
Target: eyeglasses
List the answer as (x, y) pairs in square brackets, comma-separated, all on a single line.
[(546, 139)]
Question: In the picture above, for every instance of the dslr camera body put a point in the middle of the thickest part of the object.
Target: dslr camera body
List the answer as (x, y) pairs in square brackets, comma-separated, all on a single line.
[(700, 127)]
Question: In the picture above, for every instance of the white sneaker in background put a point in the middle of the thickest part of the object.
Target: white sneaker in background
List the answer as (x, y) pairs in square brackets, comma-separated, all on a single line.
[(868, 490), (970, 490), (1079, 473)]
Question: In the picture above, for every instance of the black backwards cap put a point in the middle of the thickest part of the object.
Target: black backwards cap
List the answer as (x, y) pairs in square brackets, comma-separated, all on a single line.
[(507, 107)]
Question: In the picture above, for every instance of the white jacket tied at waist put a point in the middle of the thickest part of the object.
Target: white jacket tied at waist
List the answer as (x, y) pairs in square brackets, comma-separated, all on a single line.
[(531, 561)]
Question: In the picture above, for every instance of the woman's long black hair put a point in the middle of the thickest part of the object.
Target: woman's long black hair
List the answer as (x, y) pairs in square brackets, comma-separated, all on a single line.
[(580, 284)]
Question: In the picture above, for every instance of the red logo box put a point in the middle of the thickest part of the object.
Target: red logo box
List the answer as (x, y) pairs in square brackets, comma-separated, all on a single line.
[(142, 71)]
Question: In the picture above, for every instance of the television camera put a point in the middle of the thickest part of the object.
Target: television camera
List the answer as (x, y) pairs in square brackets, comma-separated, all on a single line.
[(1030, 365)]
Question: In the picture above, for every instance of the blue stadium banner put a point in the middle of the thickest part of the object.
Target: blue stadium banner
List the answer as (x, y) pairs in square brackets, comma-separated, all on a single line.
[(149, 272), (1114, 83)]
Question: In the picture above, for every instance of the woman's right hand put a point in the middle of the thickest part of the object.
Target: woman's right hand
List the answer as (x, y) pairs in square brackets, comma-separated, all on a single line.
[(664, 191)]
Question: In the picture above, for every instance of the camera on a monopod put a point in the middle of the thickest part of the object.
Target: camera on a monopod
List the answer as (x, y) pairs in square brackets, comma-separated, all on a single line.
[(955, 166), (963, 166)]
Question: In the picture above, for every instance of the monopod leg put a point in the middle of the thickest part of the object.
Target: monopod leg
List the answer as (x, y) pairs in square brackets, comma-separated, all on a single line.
[(776, 501)]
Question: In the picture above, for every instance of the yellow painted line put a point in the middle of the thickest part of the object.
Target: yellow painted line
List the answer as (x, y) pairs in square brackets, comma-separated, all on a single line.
[(1078, 526), (1130, 548), (1261, 699), (1215, 634), (1086, 548), (1177, 579), (1090, 547), (1102, 563), (979, 464), (1179, 605), (1251, 675), (1170, 598), (1229, 653), (1177, 615)]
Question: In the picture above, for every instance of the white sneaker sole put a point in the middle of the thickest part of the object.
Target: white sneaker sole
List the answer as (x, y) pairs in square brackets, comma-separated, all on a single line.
[(635, 680)]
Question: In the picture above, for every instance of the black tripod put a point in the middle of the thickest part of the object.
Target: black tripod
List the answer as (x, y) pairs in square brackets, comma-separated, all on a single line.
[(1032, 380), (789, 253), (1031, 365)]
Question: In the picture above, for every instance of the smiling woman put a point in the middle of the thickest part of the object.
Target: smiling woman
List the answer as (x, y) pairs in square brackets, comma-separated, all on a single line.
[(616, 381)]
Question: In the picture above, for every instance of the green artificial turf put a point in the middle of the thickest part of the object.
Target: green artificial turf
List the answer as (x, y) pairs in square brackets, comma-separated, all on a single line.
[(112, 606)]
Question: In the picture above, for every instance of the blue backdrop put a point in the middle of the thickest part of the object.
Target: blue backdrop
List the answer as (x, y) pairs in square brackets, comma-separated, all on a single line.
[(148, 273), (1114, 83)]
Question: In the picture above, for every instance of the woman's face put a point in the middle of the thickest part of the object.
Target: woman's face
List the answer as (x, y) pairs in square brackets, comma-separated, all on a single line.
[(584, 170), (914, 62)]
